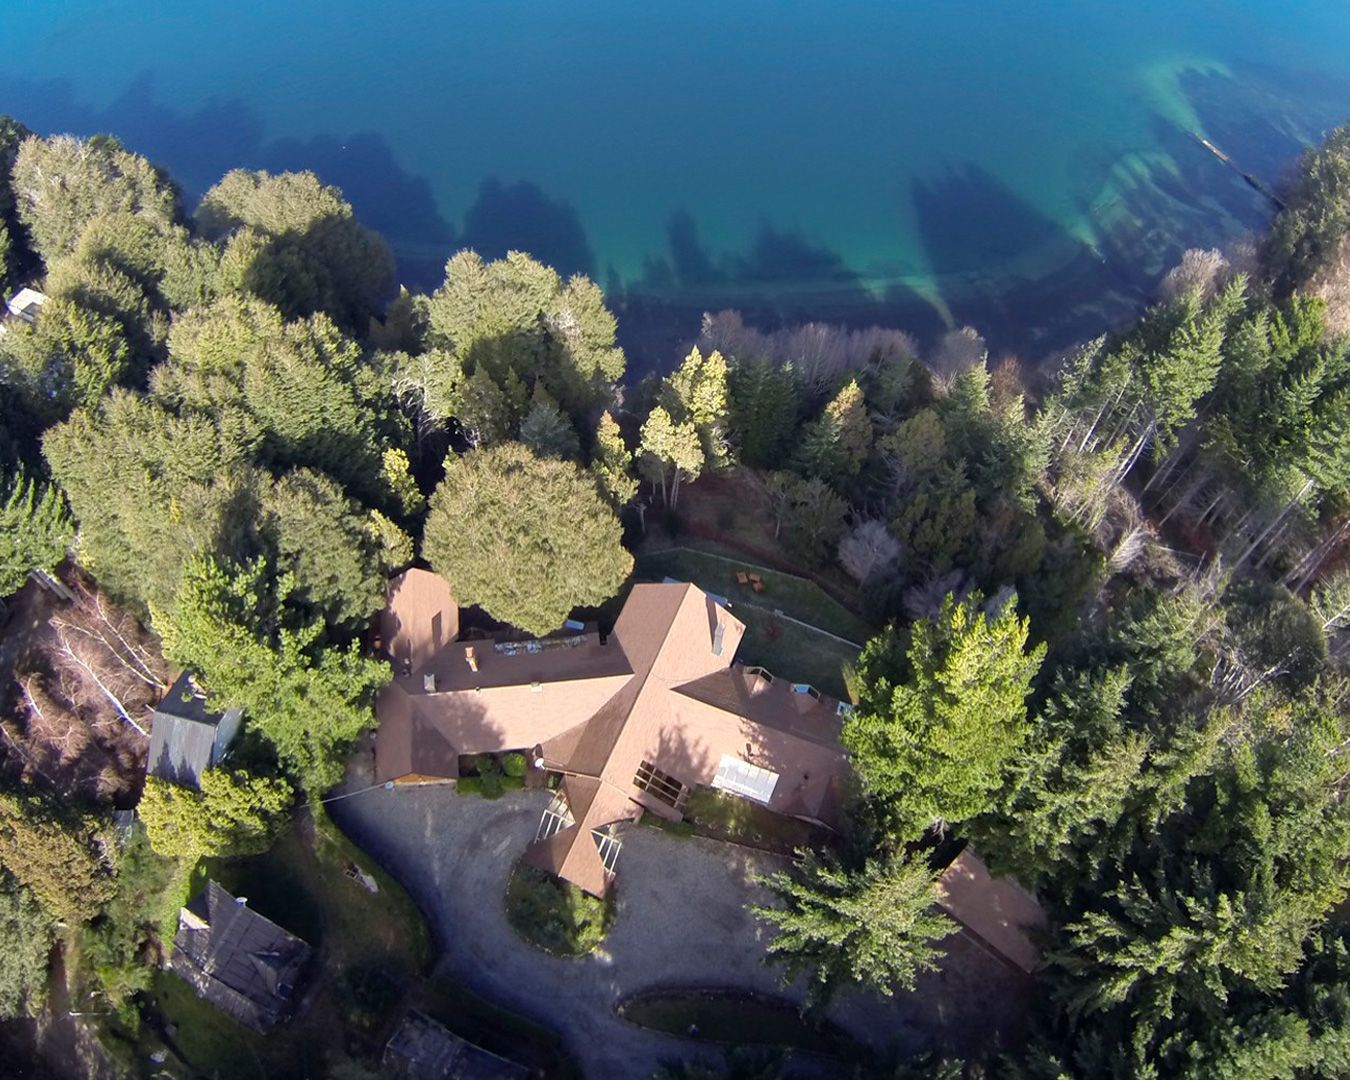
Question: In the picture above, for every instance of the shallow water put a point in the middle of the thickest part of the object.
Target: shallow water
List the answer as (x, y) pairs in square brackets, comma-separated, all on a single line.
[(1029, 167)]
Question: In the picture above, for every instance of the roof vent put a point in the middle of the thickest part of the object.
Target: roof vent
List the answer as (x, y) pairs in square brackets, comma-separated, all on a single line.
[(537, 687), (471, 657), (719, 632), (429, 682)]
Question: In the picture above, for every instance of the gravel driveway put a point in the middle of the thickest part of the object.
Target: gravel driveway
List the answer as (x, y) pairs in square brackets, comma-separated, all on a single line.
[(682, 918)]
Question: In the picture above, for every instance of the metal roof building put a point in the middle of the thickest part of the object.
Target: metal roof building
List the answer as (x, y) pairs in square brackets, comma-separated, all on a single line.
[(187, 738)]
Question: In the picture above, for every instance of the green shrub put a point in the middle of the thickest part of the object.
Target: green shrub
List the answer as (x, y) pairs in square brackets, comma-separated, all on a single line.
[(490, 785), (555, 915), (514, 764), (469, 785)]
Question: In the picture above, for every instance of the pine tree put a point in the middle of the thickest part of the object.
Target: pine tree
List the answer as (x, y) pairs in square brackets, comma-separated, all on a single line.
[(874, 928), (763, 405), (35, 529), (937, 725), (612, 464), (546, 430), (836, 443)]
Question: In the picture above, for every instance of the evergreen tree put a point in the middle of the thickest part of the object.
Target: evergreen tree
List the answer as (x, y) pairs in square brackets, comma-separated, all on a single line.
[(233, 814), (835, 444), (763, 403), (547, 431), (25, 944), (311, 701), (62, 183), (940, 717), (875, 927), (56, 854), (300, 389), (515, 316), (35, 530), (612, 464), (298, 246), (526, 538)]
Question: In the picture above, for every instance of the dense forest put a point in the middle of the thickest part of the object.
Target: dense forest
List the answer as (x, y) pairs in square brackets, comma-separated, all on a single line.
[(1115, 592)]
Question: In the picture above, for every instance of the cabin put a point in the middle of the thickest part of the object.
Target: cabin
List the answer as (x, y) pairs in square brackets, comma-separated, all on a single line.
[(237, 960)]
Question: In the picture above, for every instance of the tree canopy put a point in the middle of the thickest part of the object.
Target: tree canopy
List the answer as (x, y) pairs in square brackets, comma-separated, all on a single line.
[(526, 538), (941, 714), (875, 927)]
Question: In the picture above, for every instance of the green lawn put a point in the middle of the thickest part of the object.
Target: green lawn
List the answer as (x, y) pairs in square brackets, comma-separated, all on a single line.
[(786, 648), (736, 1019), (795, 596)]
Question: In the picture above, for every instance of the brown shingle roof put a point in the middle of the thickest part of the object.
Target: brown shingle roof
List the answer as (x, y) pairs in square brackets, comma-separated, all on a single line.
[(419, 620), (662, 690), (1000, 913)]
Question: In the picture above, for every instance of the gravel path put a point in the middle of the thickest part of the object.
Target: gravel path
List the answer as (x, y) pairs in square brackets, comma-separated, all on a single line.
[(682, 918)]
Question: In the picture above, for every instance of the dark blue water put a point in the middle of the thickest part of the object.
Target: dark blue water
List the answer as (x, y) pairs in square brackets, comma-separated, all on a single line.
[(1027, 167)]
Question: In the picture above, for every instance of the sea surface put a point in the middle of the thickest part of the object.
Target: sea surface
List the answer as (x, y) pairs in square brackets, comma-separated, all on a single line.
[(1028, 167)]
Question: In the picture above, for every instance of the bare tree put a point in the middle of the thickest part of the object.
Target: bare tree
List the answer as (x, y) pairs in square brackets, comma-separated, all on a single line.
[(868, 550), (84, 694), (1199, 275)]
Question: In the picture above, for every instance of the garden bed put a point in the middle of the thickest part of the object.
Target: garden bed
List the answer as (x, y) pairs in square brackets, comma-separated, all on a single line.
[(554, 915), (492, 775), (721, 816)]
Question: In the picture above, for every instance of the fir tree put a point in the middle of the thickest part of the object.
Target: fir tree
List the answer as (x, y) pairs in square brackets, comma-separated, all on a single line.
[(875, 927)]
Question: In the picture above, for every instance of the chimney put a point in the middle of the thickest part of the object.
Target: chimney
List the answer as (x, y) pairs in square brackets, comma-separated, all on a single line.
[(471, 657), (429, 682)]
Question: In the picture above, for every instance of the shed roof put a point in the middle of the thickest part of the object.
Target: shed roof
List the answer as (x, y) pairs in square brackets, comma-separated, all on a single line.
[(183, 734), (422, 1049)]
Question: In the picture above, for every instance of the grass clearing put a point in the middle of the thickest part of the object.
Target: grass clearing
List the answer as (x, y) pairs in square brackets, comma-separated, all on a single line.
[(370, 949), (554, 915), (736, 1018)]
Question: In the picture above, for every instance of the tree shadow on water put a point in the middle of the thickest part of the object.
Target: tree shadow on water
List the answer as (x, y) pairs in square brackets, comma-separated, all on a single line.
[(521, 217), (200, 146)]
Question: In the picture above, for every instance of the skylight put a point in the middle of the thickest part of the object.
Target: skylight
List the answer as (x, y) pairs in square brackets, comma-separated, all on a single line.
[(741, 778)]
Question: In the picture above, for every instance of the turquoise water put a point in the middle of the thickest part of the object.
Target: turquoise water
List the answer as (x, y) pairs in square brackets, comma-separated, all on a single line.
[(1026, 166)]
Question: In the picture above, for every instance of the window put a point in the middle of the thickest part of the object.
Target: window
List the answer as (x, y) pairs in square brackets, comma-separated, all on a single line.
[(806, 688), (741, 778), (607, 844), (843, 709), (759, 673), (653, 781), (557, 816)]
